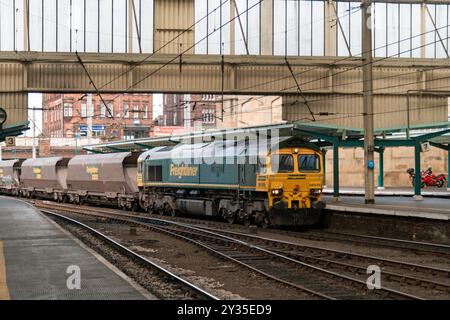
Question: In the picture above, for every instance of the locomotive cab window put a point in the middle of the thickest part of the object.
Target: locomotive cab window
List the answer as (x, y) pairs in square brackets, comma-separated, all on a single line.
[(154, 173), (308, 163), (281, 163), (262, 168)]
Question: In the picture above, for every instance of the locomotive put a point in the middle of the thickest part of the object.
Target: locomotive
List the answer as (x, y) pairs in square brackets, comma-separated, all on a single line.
[(279, 186)]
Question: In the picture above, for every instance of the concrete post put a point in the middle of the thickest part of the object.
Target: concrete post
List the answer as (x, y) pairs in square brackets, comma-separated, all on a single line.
[(369, 145), (26, 25), (267, 28), (330, 28), (130, 26), (76, 143), (34, 133), (335, 172), (423, 24), (381, 169), (90, 111), (418, 177), (232, 27)]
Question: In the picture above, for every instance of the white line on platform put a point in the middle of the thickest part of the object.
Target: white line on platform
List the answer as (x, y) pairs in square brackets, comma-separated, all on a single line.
[(401, 213)]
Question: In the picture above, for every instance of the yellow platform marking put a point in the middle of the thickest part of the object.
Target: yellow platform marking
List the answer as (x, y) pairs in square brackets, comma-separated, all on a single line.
[(4, 292)]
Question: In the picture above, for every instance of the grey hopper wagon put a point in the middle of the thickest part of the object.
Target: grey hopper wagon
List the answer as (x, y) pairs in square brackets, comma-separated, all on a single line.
[(10, 176), (101, 178), (45, 176)]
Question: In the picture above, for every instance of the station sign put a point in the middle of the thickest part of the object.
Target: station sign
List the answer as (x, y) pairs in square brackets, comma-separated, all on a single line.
[(3, 116), (10, 141), (425, 147)]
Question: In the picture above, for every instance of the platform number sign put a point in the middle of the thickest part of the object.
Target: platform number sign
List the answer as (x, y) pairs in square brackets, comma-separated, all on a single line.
[(425, 147), (3, 116), (10, 141)]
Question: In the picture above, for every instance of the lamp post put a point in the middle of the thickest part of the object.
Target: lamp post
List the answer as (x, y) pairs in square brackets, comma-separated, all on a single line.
[(77, 136)]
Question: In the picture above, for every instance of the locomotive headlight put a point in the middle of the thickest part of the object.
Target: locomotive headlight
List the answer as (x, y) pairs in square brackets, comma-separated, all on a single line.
[(315, 192), (277, 192)]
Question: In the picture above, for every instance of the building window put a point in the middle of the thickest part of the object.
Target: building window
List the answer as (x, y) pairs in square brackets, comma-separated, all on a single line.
[(102, 110), (136, 112), (145, 113), (208, 97), (126, 111), (98, 133), (83, 110), (135, 133), (110, 110), (67, 110), (207, 116)]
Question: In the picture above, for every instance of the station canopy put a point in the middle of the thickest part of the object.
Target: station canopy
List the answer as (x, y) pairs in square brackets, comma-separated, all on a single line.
[(13, 130), (323, 135)]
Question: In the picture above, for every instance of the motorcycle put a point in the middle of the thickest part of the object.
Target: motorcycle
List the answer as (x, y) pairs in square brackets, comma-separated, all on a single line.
[(427, 178)]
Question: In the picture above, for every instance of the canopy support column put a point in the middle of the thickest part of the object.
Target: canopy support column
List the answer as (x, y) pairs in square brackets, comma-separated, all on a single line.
[(381, 169), (418, 177), (336, 171), (324, 156), (448, 167)]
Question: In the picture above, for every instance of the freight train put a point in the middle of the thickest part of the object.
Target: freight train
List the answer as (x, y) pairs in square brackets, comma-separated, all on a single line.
[(279, 187)]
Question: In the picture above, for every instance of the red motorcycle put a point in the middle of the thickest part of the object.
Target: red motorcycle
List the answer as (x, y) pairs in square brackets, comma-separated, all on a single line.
[(428, 178)]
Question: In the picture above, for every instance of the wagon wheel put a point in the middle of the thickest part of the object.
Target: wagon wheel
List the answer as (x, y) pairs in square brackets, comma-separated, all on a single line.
[(230, 218), (151, 208), (265, 222), (168, 210)]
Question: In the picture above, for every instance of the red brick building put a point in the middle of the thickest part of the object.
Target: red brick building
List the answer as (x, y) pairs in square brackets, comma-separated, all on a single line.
[(126, 117), (189, 111)]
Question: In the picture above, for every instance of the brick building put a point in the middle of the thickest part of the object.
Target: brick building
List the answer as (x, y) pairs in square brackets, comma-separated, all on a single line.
[(126, 117), (189, 111)]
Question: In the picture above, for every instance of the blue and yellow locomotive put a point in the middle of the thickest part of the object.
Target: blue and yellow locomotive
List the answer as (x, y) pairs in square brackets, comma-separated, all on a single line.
[(280, 185)]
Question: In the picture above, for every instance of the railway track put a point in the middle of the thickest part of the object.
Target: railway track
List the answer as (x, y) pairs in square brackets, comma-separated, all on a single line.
[(373, 241), (307, 275), (185, 288), (392, 270), (416, 247)]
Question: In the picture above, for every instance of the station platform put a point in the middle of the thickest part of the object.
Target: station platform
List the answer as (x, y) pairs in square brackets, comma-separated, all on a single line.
[(35, 255), (401, 192), (429, 208)]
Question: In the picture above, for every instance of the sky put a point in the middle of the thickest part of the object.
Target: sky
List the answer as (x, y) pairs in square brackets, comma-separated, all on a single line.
[(35, 101)]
